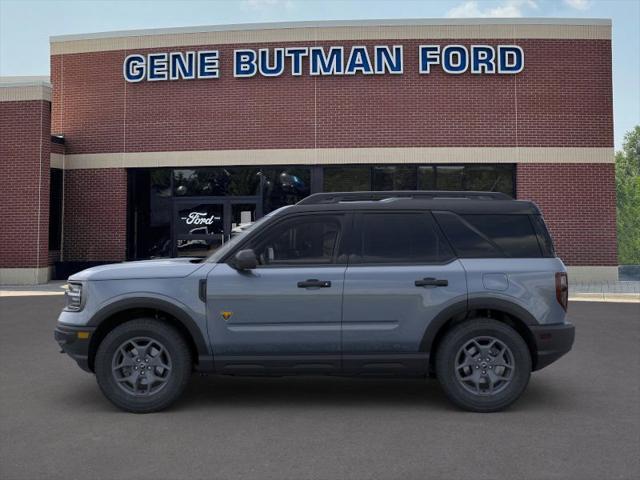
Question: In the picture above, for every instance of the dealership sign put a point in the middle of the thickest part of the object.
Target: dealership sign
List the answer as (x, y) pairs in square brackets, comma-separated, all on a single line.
[(200, 218), (326, 61)]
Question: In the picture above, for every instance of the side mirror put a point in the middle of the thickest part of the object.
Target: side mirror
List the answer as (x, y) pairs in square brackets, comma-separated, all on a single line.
[(245, 260)]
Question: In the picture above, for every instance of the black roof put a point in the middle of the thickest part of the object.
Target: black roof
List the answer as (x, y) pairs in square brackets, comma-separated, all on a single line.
[(458, 202)]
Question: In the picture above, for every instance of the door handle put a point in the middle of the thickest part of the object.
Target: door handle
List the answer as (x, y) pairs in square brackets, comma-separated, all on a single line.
[(431, 282), (314, 283)]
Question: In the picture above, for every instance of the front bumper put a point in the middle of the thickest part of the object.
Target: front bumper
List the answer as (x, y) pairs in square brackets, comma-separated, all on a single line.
[(552, 342), (75, 341)]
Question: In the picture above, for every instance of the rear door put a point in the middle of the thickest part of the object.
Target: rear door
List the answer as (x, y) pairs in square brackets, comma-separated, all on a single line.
[(401, 274)]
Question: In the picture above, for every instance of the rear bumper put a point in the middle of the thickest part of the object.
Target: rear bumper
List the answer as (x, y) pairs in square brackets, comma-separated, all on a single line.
[(552, 342), (74, 345)]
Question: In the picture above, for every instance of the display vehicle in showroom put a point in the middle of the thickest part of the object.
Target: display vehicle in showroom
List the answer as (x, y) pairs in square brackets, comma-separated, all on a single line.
[(463, 286)]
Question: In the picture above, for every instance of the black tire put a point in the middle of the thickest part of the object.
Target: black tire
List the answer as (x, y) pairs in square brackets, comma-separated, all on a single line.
[(450, 373), (175, 378)]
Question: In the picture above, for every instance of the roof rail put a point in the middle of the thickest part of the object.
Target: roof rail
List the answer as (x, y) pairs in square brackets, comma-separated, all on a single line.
[(337, 197)]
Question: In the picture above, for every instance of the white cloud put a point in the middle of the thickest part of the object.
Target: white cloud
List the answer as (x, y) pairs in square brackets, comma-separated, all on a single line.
[(266, 4), (578, 4), (507, 8)]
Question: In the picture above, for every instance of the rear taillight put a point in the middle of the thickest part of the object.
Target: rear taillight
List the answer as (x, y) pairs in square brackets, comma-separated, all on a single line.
[(562, 289)]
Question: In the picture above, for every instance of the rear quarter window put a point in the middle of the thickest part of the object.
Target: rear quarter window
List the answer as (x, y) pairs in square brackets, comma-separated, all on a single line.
[(544, 238), (490, 235)]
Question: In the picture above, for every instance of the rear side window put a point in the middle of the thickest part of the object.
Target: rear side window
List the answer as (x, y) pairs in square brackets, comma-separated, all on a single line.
[(544, 239), (401, 238), (490, 236), (513, 234)]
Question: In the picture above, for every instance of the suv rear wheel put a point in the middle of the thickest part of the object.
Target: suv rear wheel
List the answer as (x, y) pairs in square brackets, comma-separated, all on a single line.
[(143, 365), (483, 365)]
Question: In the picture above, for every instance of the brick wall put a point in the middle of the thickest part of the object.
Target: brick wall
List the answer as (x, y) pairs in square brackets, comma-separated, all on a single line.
[(95, 215), (57, 148), (562, 98), (578, 202), (24, 196)]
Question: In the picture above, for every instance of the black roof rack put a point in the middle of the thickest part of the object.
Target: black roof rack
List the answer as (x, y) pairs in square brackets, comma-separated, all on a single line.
[(337, 197)]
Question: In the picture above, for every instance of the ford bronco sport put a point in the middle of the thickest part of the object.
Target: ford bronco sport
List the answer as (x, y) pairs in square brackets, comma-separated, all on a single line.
[(463, 286)]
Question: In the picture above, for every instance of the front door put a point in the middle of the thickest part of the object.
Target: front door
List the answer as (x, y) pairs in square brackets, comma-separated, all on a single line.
[(283, 316), (401, 274), (203, 224)]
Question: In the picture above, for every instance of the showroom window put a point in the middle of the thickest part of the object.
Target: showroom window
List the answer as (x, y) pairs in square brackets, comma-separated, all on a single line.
[(486, 177), (347, 178), (157, 196), (153, 193)]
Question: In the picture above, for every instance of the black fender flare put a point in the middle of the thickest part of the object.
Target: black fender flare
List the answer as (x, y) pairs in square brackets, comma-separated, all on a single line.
[(458, 308), (464, 306), (505, 306), (155, 303)]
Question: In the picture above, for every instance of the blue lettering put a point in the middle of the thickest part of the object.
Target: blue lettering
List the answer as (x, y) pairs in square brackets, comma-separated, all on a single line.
[(277, 68), (429, 55), (133, 68), (296, 55), (385, 61), (359, 61), (182, 65), (483, 59), (455, 59), (331, 64), (244, 63), (157, 67), (208, 64), (510, 59)]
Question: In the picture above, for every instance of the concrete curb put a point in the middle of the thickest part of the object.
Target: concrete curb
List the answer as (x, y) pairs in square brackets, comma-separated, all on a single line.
[(605, 297), (27, 293)]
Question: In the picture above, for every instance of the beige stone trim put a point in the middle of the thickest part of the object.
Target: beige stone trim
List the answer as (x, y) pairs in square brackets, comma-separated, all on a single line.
[(22, 93), (24, 276), (57, 160), (439, 29), (339, 156), (592, 274)]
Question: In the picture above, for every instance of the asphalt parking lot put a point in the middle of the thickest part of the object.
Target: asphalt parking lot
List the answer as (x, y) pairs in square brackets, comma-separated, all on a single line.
[(580, 418)]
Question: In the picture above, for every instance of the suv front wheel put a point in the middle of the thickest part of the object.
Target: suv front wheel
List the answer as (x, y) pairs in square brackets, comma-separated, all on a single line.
[(483, 365), (143, 365)]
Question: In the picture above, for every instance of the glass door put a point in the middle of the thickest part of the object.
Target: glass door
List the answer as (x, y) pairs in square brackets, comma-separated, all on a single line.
[(242, 215), (200, 226)]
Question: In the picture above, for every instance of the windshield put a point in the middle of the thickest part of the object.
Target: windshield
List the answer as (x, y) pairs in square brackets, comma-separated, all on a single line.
[(230, 245)]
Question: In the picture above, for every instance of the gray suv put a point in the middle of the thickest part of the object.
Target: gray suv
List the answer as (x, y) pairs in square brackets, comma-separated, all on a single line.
[(463, 286)]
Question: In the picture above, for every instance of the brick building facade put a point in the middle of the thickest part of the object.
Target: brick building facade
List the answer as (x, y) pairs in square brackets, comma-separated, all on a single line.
[(140, 157)]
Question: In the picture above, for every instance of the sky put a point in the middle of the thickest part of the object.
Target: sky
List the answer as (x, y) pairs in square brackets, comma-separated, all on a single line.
[(25, 26)]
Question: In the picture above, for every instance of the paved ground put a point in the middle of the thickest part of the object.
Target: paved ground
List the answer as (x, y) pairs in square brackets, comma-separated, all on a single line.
[(579, 418)]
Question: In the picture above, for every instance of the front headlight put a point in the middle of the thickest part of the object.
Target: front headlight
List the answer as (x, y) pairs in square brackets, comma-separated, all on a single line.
[(73, 295)]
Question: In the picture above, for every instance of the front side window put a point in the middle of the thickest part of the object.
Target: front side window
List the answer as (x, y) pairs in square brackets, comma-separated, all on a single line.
[(306, 240), (401, 238)]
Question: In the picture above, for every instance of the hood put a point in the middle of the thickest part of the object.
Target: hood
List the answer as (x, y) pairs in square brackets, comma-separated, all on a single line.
[(161, 268)]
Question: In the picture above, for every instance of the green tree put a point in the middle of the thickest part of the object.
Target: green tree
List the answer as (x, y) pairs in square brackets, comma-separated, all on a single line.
[(628, 198)]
